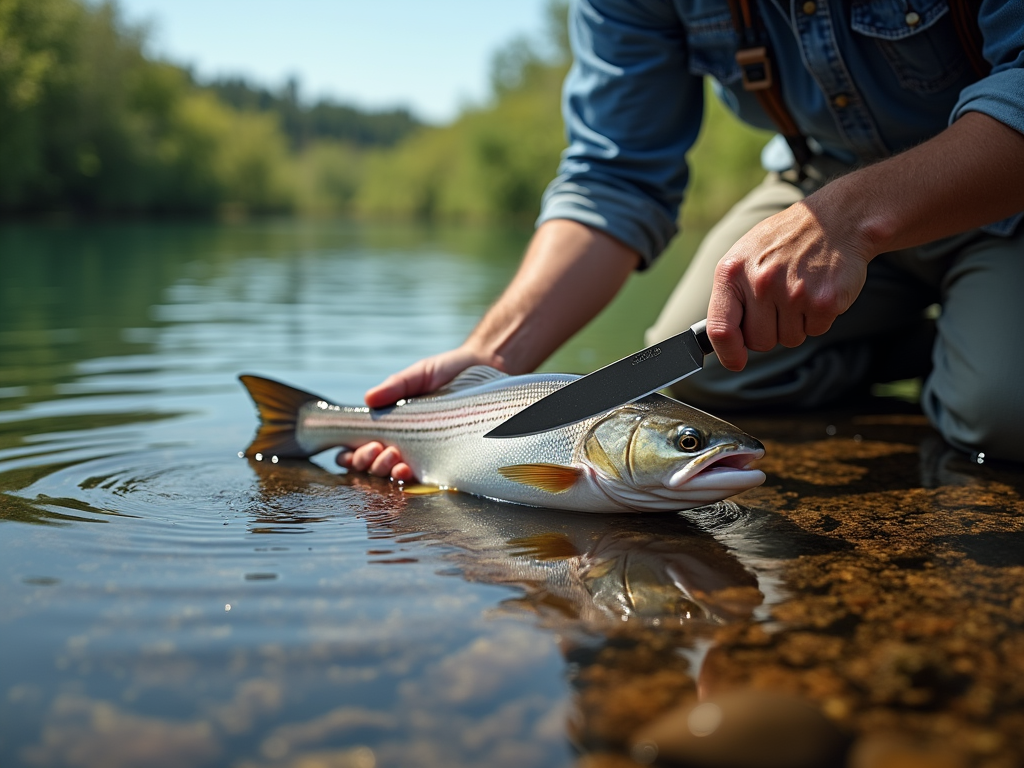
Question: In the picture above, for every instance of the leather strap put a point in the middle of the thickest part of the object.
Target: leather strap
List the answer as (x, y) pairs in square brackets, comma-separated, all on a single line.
[(755, 60), (965, 19)]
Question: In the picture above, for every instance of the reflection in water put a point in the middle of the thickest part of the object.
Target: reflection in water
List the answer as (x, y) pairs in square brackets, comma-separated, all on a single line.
[(225, 614), (612, 588), (586, 569)]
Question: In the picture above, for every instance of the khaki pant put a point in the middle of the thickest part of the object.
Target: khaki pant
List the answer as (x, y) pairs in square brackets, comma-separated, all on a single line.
[(974, 386)]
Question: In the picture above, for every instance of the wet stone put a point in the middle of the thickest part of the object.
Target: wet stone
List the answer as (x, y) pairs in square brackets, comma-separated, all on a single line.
[(742, 729)]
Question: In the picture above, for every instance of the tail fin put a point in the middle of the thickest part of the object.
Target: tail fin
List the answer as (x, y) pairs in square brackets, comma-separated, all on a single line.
[(279, 406)]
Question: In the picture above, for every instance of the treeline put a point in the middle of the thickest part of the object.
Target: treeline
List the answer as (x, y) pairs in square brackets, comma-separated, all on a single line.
[(91, 126), (325, 119)]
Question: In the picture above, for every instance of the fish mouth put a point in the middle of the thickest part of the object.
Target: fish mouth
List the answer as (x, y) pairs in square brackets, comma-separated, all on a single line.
[(724, 467)]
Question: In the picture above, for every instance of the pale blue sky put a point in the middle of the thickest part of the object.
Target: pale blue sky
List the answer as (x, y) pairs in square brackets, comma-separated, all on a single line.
[(432, 56)]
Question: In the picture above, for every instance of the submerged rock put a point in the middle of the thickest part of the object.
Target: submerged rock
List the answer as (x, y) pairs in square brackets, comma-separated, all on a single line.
[(742, 729)]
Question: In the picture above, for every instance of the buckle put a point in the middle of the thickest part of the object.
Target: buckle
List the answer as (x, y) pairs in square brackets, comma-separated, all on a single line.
[(756, 68)]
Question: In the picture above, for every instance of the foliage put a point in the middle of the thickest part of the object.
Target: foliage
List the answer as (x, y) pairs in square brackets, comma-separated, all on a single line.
[(90, 125), (324, 120)]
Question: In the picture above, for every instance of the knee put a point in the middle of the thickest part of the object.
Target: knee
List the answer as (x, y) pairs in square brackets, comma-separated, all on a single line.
[(986, 418)]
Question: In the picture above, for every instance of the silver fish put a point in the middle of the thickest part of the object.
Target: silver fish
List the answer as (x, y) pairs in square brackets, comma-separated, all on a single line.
[(656, 454)]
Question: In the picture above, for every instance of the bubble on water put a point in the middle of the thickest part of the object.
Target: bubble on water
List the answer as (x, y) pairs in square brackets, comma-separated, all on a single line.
[(645, 752)]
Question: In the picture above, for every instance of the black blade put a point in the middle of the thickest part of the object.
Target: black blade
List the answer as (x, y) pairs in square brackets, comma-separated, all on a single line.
[(629, 379)]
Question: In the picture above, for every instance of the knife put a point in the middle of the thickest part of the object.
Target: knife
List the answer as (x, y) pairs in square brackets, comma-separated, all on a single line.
[(629, 379)]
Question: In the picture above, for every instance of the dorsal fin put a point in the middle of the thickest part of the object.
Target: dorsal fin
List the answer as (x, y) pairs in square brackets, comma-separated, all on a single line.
[(473, 376)]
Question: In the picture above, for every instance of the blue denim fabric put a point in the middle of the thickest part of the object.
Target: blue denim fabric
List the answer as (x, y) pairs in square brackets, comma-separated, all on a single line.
[(862, 78)]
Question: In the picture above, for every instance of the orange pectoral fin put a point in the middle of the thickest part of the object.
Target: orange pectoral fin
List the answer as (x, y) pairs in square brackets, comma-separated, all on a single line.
[(545, 547), (553, 478)]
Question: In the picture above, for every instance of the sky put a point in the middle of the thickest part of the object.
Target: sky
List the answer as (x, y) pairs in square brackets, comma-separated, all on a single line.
[(431, 56)]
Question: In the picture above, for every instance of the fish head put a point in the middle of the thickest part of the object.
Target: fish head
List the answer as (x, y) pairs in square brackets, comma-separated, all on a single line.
[(661, 454)]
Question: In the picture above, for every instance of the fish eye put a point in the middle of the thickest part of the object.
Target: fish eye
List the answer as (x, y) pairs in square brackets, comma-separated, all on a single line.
[(690, 440)]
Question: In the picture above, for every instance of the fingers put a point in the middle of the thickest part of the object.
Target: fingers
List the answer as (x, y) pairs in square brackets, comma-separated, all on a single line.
[(360, 458), (421, 377), (791, 329), (385, 462), (725, 313), (414, 380), (375, 459)]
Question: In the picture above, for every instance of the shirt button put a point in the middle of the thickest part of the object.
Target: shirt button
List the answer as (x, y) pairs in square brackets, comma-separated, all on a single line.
[(913, 19), (841, 101), (810, 7)]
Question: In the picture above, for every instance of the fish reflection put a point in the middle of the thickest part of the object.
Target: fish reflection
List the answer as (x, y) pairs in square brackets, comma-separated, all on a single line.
[(634, 605), (571, 567)]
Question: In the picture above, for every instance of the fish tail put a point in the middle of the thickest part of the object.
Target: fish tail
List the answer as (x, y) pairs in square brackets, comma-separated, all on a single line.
[(278, 406)]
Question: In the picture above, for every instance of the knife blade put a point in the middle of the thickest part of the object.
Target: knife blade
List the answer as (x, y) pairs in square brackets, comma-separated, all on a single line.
[(624, 381)]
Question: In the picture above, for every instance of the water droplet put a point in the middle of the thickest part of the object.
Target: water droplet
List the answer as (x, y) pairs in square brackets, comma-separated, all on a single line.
[(273, 459), (258, 457), (241, 455), (227, 607), (830, 430)]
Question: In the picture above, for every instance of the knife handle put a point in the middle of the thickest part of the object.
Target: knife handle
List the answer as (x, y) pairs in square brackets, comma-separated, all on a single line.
[(700, 331)]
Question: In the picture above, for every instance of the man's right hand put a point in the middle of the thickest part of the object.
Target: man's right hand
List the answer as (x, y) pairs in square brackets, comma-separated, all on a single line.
[(419, 378)]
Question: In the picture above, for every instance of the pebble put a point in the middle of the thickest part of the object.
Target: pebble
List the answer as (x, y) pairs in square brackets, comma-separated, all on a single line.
[(742, 729)]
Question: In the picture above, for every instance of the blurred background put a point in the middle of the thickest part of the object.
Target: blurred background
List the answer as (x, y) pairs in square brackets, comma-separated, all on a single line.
[(387, 110)]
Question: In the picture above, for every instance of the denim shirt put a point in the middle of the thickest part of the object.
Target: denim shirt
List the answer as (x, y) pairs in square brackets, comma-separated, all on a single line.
[(863, 79)]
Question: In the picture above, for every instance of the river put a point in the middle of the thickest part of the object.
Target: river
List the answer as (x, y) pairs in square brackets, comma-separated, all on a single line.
[(165, 603)]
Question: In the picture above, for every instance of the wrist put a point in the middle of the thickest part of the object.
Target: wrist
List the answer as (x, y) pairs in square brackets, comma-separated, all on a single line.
[(476, 351), (863, 221)]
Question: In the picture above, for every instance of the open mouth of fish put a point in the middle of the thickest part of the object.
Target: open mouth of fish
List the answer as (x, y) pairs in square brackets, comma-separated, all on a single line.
[(725, 466)]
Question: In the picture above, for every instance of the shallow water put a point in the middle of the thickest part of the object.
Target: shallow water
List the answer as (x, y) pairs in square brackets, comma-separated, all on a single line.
[(163, 602)]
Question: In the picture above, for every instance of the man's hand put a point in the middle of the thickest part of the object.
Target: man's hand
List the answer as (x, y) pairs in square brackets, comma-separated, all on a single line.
[(788, 278), (792, 275), (418, 379)]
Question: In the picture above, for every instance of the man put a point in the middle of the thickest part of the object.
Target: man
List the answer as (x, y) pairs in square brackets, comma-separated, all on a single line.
[(913, 196)]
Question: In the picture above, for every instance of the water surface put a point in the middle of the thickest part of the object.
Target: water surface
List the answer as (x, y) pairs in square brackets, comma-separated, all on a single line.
[(163, 602)]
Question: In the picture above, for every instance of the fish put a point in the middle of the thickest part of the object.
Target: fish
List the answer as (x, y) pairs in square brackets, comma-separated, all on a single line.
[(653, 455)]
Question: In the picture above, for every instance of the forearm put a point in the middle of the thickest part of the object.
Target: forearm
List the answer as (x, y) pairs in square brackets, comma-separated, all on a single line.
[(970, 175), (569, 273), (795, 272)]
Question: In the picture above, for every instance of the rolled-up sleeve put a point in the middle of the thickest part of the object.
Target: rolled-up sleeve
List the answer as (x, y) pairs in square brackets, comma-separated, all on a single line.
[(632, 111), (1000, 94)]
